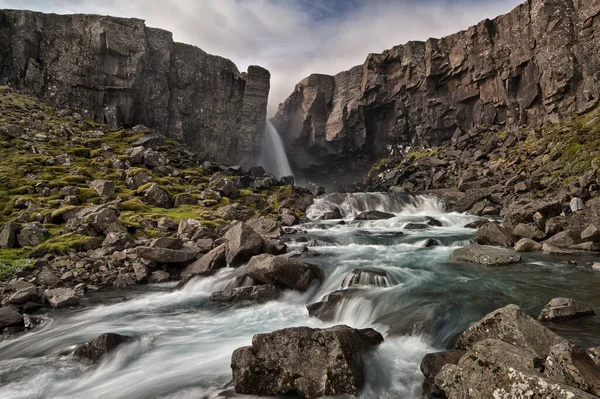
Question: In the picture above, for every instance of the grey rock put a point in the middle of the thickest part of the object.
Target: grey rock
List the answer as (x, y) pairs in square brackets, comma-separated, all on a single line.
[(149, 141), (266, 227), (61, 297), (591, 233), (242, 242), (159, 276), (9, 317), (528, 230), (494, 234), (101, 346), (207, 264), (31, 234), (315, 189), (137, 179), (364, 276), (154, 195), (184, 199), (559, 309), (563, 239), (374, 215), (104, 188), (256, 294), (527, 245), (283, 272), (8, 235), (141, 273), (485, 255), (48, 278), (166, 255), (568, 364), (167, 242)]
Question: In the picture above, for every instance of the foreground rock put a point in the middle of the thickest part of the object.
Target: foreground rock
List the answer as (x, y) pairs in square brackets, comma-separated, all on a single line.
[(277, 363), (283, 272), (257, 294), (559, 309), (101, 346), (9, 317), (485, 255), (242, 244), (207, 264), (431, 365), (62, 297)]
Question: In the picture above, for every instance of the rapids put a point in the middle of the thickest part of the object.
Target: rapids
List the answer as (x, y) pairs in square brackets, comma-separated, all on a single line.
[(422, 304)]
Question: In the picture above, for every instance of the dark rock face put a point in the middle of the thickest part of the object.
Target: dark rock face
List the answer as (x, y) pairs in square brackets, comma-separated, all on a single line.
[(120, 72), (283, 272), (277, 363), (258, 294), (101, 346), (533, 65)]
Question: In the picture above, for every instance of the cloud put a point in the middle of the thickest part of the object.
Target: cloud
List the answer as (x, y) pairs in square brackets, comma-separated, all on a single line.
[(291, 38)]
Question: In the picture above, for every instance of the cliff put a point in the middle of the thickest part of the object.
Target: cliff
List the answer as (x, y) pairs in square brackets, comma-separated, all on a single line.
[(120, 72), (532, 66)]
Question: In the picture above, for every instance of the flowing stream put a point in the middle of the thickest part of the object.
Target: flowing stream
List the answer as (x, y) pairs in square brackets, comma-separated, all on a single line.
[(272, 156), (421, 304)]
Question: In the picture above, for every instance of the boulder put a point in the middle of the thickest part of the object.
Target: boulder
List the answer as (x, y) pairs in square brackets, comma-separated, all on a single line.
[(283, 272), (31, 234), (166, 255), (256, 294), (485, 255), (152, 140), (568, 364), (523, 211), (8, 235), (207, 264), (527, 245), (277, 363), (494, 234), (551, 249), (327, 308), (137, 178), (586, 246), (373, 215), (154, 195), (159, 276), (27, 292), (242, 243), (9, 317), (315, 189), (62, 297), (47, 278), (363, 276), (167, 242), (559, 309), (189, 228), (101, 346), (236, 211), (431, 365), (184, 199), (563, 239), (591, 233), (477, 224), (528, 230), (141, 273), (266, 227), (104, 188), (332, 215), (93, 221), (416, 226), (594, 353)]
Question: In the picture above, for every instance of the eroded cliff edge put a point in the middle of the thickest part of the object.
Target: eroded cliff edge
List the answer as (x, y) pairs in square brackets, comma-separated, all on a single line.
[(121, 72), (534, 65)]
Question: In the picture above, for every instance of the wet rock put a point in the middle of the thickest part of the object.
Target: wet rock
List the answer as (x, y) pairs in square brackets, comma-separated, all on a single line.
[(332, 215), (8, 235), (149, 141), (485, 255), (363, 276), (594, 354), (494, 234), (568, 364), (551, 249), (62, 297), (93, 221), (326, 309), (276, 363), (256, 294), (104, 188), (242, 242), (528, 230), (22, 295), (432, 242), (154, 195), (101, 346), (586, 246), (315, 189), (283, 272), (207, 264), (159, 276), (527, 245), (433, 221), (477, 224), (431, 365), (591, 233), (373, 215), (31, 234), (416, 226), (166, 255), (559, 309), (9, 317)]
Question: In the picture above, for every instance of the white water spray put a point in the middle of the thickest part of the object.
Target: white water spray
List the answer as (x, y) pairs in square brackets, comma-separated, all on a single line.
[(272, 155)]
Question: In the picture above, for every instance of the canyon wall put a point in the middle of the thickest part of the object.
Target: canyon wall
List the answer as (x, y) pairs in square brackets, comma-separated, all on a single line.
[(534, 65), (121, 72)]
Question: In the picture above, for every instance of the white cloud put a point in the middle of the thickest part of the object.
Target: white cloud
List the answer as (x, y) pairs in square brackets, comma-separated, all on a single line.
[(283, 36)]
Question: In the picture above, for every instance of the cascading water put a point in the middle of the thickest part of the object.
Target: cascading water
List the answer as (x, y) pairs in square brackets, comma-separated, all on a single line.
[(383, 276), (272, 155)]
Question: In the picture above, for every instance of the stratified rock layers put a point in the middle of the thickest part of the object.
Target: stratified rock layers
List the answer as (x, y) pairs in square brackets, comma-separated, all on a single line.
[(534, 65), (120, 72)]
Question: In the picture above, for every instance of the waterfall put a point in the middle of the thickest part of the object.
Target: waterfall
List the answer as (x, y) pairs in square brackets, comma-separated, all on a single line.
[(272, 154)]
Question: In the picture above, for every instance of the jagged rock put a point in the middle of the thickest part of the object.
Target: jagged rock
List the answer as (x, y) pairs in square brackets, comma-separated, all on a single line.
[(117, 240), (551, 249), (494, 234), (189, 228), (586, 246), (242, 242), (591, 233), (31, 234), (326, 308), (283, 272), (24, 292), (315, 189), (476, 224), (136, 180), (524, 211), (362, 276), (167, 224), (332, 215), (563, 239), (264, 183), (256, 294), (528, 230), (416, 226), (485, 255), (159, 276), (166, 255), (49, 279), (8, 235), (225, 187), (559, 309), (184, 199), (62, 297), (373, 215), (149, 141), (9, 317), (266, 227), (167, 242), (141, 273), (287, 180), (568, 364), (207, 264), (431, 365), (594, 353), (527, 245), (237, 211), (101, 346), (276, 363), (104, 188), (154, 195), (93, 221)]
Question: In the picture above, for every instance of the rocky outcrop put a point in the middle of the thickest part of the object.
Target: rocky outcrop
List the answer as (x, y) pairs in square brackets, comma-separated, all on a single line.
[(534, 65), (123, 73), (277, 363)]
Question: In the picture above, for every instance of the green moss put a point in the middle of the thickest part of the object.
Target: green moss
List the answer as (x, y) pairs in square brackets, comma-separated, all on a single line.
[(82, 152), (12, 260), (134, 205), (65, 243), (87, 194)]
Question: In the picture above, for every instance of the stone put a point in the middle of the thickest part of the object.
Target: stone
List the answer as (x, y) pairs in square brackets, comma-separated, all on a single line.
[(431, 365), (207, 264), (93, 221), (563, 239), (315, 189), (266, 227), (184, 199), (31, 234), (594, 354), (159, 276), (591, 233), (154, 195), (104, 188), (22, 296), (560, 309), (167, 242), (551, 249), (256, 294), (283, 272), (373, 215), (47, 278), (476, 224), (166, 255), (136, 180), (8, 235), (485, 255), (149, 141), (332, 215), (101, 346), (276, 363), (416, 226), (527, 245), (9, 317), (568, 364), (141, 273), (528, 230), (61, 297), (188, 228), (494, 234), (242, 242), (154, 160)]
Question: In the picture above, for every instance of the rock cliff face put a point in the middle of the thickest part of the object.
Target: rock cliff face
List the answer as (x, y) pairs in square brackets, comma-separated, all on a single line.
[(537, 64), (120, 72)]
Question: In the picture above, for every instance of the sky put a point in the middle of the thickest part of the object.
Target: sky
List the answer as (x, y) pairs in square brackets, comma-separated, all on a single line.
[(291, 38)]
